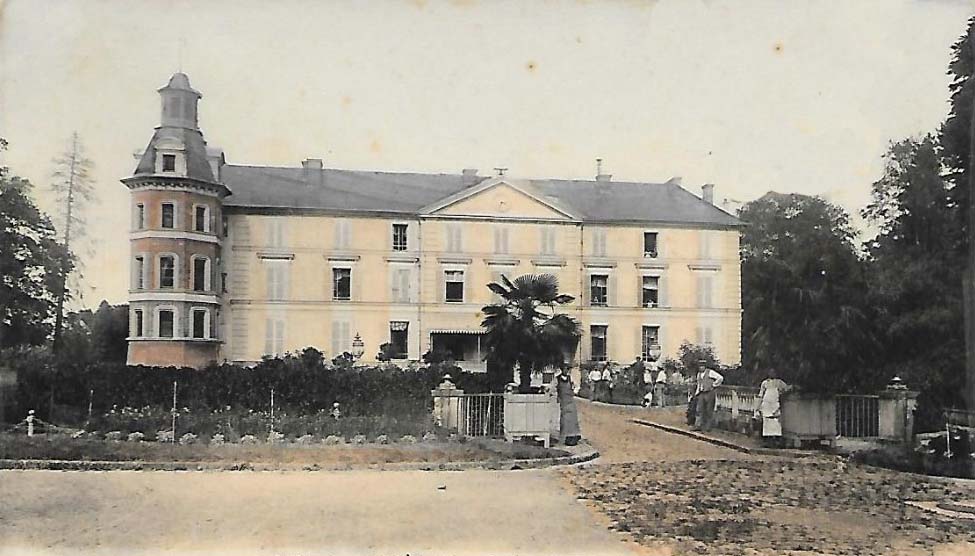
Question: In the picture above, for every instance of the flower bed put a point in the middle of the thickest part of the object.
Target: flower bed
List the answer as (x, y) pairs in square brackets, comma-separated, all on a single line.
[(285, 451), (234, 424)]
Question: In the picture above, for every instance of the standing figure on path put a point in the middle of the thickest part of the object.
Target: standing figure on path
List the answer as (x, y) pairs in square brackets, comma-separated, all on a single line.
[(660, 387), (569, 416), (770, 408), (595, 377), (707, 381), (608, 384)]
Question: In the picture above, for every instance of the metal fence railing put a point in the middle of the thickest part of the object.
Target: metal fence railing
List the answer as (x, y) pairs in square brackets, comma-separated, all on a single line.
[(481, 415), (857, 416)]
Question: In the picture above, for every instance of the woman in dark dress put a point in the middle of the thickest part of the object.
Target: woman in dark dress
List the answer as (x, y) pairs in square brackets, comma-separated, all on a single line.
[(569, 416)]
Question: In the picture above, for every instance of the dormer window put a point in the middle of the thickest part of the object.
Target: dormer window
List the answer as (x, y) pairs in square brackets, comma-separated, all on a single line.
[(170, 156)]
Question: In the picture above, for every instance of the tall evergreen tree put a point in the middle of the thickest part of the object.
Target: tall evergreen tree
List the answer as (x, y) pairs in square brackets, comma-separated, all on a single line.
[(915, 276), (71, 184)]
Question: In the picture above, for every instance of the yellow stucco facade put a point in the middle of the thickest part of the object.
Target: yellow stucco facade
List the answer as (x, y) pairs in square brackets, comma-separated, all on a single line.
[(297, 279)]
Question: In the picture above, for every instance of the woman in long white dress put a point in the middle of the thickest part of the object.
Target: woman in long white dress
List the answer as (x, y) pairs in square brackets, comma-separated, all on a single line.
[(770, 407)]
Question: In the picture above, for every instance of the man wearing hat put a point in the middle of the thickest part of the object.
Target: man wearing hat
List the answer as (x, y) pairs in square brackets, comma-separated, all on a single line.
[(707, 380)]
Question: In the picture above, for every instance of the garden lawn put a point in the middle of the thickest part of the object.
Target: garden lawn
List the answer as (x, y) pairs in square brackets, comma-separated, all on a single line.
[(54, 447)]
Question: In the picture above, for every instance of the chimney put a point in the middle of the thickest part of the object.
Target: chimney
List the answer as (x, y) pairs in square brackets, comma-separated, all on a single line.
[(313, 171), (469, 176), (600, 176), (707, 193), (312, 164)]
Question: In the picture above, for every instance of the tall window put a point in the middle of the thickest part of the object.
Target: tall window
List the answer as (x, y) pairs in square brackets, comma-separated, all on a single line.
[(399, 237), (704, 244), (342, 284), (501, 240), (167, 271), (548, 242), (168, 215), (401, 285), (140, 216), (169, 162), (650, 291), (598, 289), (705, 335), (200, 274), (599, 243), (650, 244), (342, 234), (199, 323), (166, 323), (274, 336), (201, 219), (341, 337), (277, 280), (138, 324), (140, 272), (705, 291), (399, 338), (275, 232), (597, 334), (651, 337), (455, 242), (454, 286)]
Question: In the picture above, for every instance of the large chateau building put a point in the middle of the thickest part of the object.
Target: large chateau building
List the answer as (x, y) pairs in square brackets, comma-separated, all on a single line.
[(232, 263)]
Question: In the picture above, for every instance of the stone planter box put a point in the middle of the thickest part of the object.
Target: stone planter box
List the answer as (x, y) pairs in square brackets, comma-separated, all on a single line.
[(808, 417), (531, 415)]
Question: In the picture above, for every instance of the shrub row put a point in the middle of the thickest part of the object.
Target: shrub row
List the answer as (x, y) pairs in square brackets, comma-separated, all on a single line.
[(303, 384)]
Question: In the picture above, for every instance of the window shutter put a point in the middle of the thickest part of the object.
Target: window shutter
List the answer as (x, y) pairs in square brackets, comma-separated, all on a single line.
[(279, 336), (708, 291), (586, 290), (639, 290), (406, 276), (396, 285), (355, 286), (662, 291), (441, 286), (336, 335), (268, 336), (639, 343), (612, 297)]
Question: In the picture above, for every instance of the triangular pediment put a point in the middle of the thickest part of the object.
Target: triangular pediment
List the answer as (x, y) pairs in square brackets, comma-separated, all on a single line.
[(500, 198)]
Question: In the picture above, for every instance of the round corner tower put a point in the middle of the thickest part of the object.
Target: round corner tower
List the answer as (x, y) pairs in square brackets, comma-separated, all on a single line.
[(176, 237)]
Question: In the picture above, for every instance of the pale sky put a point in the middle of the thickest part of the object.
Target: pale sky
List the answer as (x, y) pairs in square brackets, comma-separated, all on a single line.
[(752, 96)]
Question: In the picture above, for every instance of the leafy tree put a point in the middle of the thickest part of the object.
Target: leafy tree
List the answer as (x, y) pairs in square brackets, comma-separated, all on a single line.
[(30, 259), (72, 186), (914, 275), (109, 329), (524, 327), (802, 293)]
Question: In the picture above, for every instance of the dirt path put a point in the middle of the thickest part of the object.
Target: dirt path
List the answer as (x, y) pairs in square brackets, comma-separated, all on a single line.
[(367, 512), (609, 429)]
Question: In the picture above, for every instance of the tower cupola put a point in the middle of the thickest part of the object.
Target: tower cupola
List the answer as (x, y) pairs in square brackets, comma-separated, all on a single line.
[(179, 103)]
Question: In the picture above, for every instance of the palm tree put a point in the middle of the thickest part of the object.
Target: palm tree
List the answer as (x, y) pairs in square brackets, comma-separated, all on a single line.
[(524, 328)]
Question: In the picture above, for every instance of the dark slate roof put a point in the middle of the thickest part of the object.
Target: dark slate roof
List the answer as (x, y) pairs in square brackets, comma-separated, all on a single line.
[(181, 82), (197, 166), (263, 186), (350, 190)]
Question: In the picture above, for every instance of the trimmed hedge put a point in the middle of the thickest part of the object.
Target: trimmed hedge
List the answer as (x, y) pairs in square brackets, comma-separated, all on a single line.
[(303, 384)]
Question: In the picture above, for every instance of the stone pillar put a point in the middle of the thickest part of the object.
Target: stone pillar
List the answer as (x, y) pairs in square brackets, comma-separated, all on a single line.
[(446, 406), (896, 408)]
